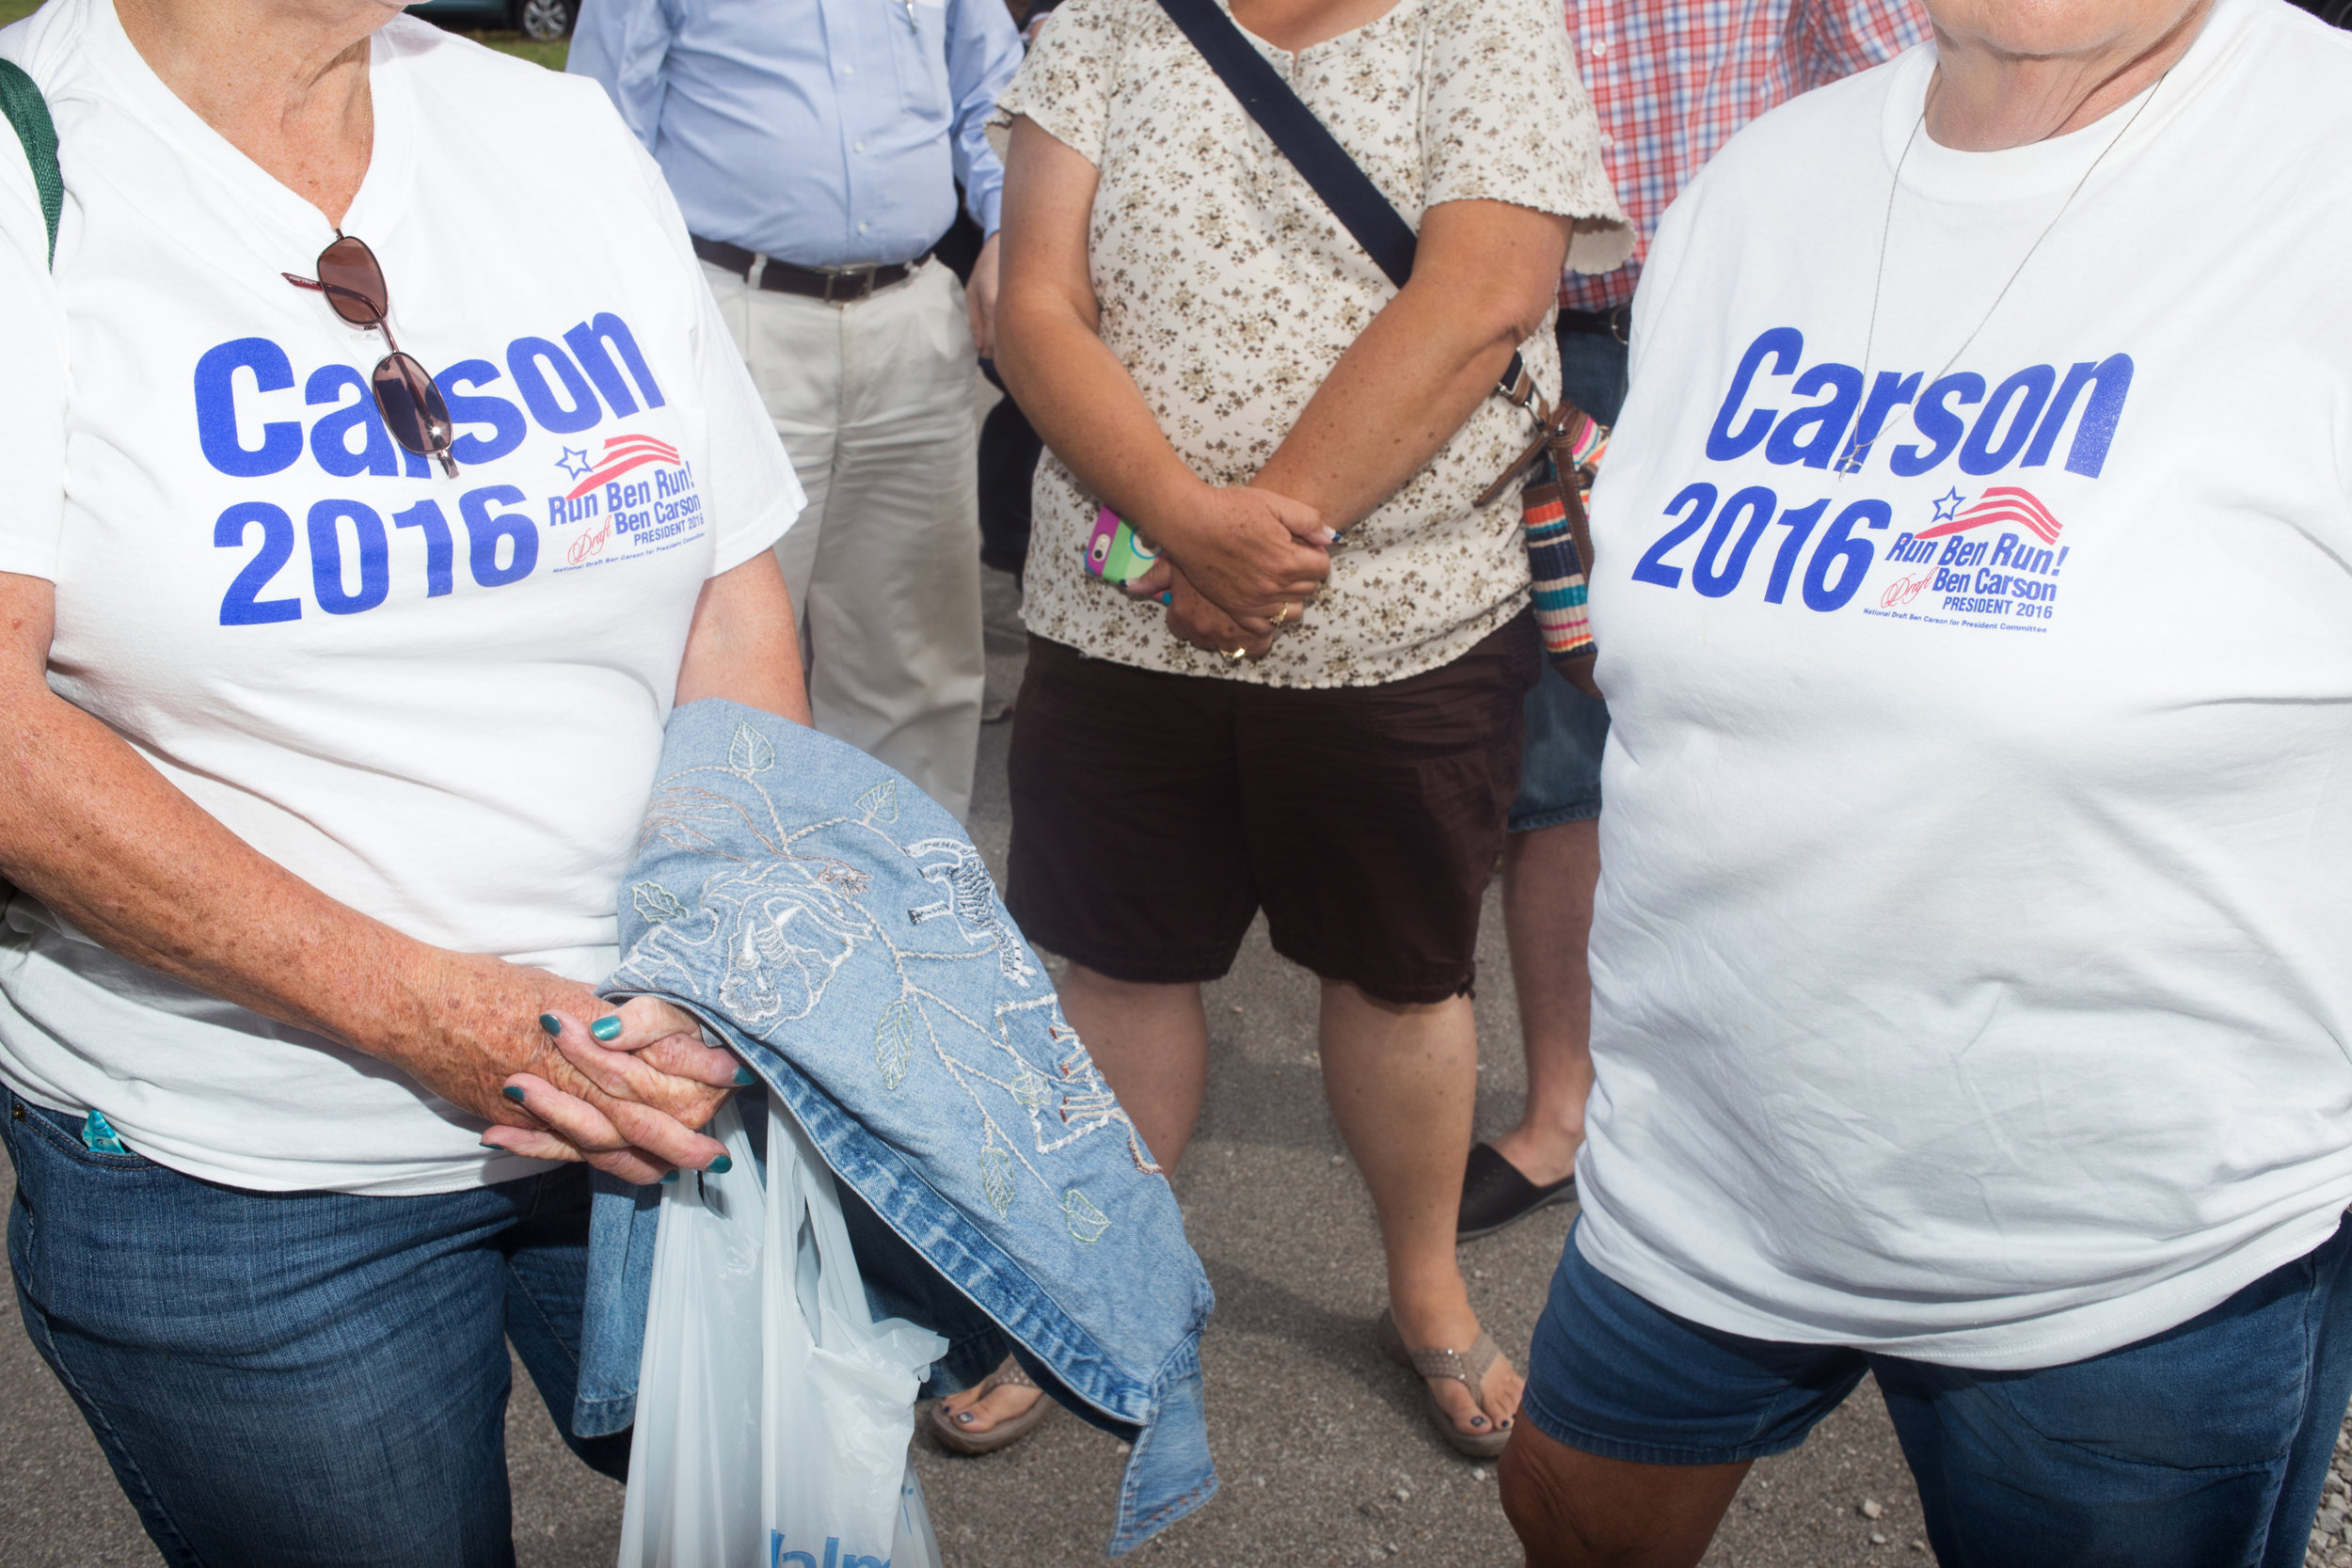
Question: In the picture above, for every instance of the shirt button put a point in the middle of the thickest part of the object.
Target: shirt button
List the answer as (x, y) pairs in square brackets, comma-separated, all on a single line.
[(857, 146), (1607, 140), (848, 70), (1601, 47), (860, 229)]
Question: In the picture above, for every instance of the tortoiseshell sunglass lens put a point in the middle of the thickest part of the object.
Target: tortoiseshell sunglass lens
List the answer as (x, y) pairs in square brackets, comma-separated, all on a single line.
[(353, 284), (411, 405)]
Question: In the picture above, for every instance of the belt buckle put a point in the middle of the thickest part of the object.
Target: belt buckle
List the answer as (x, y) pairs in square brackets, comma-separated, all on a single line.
[(865, 277)]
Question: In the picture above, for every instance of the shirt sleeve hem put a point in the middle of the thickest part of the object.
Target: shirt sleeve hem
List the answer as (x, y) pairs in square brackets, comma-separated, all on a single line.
[(28, 561), (739, 544)]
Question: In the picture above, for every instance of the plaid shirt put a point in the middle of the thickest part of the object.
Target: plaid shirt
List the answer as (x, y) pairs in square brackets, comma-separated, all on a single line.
[(1671, 80)]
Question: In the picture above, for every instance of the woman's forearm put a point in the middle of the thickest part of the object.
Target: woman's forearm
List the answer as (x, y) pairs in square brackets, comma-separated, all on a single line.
[(1076, 394), (744, 644), (1088, 410), (1482, 282), (89, 828)]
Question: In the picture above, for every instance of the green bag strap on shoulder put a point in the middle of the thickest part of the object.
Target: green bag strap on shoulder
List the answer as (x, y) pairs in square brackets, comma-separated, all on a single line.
[(28, 111)]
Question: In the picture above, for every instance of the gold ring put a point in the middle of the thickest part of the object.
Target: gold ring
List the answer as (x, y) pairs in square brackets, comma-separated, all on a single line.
[(1237, 655), (1282, 614)]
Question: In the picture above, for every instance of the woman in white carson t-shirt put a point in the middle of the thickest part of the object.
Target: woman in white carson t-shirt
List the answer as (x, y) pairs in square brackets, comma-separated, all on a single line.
[(1973, 956), (324, 756)]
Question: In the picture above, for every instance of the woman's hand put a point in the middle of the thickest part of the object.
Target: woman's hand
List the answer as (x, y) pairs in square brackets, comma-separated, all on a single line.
[(652, 1044), (1194, 619), (629, 1104), (1251, 553)]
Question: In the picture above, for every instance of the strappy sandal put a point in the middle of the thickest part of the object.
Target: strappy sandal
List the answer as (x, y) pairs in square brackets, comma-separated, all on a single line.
[(1007, 1376), (1466, 1368)]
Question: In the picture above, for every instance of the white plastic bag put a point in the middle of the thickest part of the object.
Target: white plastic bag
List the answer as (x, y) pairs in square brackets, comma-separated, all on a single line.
[(693, 1463), (839, 1389), (772, 1412)]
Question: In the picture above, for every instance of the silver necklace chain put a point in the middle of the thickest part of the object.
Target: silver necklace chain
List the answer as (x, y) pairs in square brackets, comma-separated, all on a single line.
[(1856, 456)]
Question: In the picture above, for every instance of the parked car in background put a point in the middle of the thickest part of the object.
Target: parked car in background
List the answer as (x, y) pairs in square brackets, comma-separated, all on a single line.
[(541, 21)]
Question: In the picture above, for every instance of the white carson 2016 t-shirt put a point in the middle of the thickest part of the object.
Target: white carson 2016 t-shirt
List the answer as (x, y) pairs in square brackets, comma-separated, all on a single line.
[(1973, 958), (439, 700)]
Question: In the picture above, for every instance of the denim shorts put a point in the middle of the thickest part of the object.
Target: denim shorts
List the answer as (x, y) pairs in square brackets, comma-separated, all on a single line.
[(1559, 775), (2205, 1446)]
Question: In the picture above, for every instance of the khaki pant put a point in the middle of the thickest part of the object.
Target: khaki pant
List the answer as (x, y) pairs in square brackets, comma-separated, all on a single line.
[(874, 402)]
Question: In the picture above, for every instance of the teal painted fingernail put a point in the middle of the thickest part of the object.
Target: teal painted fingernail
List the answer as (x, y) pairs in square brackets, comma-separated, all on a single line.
[(551, 1023), (487, 1143), (606, 1028), (669, 1176), (745, 1077), (719, 1166), (512, 1093)]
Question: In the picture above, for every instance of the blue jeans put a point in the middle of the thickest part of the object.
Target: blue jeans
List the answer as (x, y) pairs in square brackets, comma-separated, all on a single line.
[(298, 1378), (2205, 1446), (1559, 775)]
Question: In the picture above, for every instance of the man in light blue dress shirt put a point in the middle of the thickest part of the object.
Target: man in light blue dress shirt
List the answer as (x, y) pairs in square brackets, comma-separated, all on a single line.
[(815, 146)]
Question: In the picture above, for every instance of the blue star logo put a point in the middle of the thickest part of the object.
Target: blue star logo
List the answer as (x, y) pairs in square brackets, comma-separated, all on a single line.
[(1947, 506), (574, 462)]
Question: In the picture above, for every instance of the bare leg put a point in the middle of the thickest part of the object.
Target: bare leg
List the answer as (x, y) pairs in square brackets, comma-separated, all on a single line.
[(1400, 1082), (1577, 1509), (1548, 880), (1152, 1044)]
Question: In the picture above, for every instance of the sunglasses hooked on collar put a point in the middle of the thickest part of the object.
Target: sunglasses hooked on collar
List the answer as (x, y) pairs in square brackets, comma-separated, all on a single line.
[(412, 407)]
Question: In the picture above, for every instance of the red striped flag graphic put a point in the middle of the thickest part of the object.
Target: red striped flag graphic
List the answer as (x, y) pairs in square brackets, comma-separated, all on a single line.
[(2003, 503), (621, 454)]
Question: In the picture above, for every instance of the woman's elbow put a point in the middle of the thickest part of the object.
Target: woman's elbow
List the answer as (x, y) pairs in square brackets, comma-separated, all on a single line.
[(1509, 307), (1019, 330)]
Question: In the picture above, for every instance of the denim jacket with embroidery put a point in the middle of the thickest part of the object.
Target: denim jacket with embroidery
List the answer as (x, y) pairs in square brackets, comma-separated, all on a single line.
[(833, 926)]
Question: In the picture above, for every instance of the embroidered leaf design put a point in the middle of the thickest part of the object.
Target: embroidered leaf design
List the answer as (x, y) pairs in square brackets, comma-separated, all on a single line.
[(748, 752), (881, 801), (1087, 1222), (997, 1178), (655, 903), (894, 1043), (1031, 1089)]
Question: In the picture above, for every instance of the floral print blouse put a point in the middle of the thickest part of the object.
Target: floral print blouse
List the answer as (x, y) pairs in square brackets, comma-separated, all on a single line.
[(1228, 291)]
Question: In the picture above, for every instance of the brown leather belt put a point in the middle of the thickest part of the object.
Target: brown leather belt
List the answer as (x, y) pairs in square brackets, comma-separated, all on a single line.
[(833, 285)]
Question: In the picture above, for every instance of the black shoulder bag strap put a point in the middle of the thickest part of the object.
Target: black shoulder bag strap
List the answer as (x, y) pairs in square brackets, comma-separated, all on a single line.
[(1313, 150), (24, 108)]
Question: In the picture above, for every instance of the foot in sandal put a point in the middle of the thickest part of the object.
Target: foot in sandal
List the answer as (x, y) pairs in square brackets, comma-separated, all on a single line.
[(1470, 1393), (998, 1410)]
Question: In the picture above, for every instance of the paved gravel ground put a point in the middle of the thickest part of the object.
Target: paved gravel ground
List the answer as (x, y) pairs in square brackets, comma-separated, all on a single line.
[(1325, 1454)]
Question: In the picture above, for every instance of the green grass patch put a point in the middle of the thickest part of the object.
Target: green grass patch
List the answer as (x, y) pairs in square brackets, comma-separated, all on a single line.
[(552, 55), (13, 10)]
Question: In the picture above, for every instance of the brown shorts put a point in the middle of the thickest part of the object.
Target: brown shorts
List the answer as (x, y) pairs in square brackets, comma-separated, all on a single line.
[(1155, 814)]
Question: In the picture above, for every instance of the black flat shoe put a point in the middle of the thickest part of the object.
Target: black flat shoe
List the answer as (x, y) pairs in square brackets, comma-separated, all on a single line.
[(1495, 1195)]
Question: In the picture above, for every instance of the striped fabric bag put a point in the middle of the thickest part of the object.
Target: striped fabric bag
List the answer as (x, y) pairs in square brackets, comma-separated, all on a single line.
[(1560, 543)]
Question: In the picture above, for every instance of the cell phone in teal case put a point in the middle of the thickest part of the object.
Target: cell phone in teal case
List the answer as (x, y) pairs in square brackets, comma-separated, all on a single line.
[(1116, 553)]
